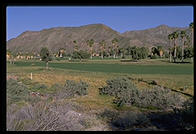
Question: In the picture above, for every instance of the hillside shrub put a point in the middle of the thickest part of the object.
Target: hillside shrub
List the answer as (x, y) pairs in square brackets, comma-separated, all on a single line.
[(72, 88), (55, 87), (159, 98), (122, 89), (46, 117), (16, 91), (117, 86), (125, 92)]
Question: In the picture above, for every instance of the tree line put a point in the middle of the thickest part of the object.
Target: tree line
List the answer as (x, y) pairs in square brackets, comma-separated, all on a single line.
[(185, 52)]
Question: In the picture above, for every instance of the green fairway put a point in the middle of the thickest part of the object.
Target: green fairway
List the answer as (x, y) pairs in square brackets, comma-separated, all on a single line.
[(176, 69)]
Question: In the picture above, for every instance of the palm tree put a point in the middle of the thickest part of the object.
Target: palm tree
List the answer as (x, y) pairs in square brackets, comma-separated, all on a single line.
[(122, 51), (175, 36), (109, 50), (170, 39), (102, 46), (114, 43), (182, 35), (191, 26), (90, 44)]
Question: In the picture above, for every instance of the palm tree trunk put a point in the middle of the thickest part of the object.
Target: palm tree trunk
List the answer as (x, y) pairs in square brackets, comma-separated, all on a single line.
[(183, 50), (170, 56), (182, 53), (175, 50), (175, 53), (91, 53)]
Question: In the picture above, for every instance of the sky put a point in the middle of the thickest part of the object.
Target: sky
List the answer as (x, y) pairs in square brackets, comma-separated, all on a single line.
[(120, 18)]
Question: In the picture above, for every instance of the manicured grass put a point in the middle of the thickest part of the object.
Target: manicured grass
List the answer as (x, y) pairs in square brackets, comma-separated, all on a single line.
[(175, 69)]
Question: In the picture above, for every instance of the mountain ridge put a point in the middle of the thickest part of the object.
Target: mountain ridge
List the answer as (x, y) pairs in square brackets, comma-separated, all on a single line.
[(63, 37)]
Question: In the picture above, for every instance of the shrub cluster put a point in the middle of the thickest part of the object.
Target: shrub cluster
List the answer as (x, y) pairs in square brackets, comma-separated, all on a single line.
[(16, 91), (46, 117), (72, 88), (125, 92), (159, 98)]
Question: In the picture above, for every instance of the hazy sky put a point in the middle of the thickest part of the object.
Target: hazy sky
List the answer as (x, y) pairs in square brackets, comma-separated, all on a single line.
[(119, 18)]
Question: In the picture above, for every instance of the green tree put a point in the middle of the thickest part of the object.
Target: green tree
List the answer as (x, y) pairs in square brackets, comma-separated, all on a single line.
[(122, 52), (80, 55), (154, 51), (188, 52), (45, 55)]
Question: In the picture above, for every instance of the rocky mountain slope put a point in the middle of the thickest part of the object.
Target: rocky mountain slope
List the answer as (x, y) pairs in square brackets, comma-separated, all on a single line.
[(63, 37)]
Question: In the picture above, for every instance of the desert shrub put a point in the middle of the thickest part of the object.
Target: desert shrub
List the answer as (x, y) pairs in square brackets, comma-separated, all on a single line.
[(122, 89), (117, 86), (72, 88), (16, 91), (158, 97), (55, 88), (130, 119), (46, 117), (125, 92), (39, 87)]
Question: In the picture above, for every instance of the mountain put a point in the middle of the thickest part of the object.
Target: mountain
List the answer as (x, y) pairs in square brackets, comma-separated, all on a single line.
[(153, 36), (63, 37)]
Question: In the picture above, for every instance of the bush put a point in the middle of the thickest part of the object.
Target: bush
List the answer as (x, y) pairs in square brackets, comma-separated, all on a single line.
[(16, 91), (55, 88), (159, 98), (125, 92), (117, 86), (42, 88), (46, 117), (122, 89), (72, 88)]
